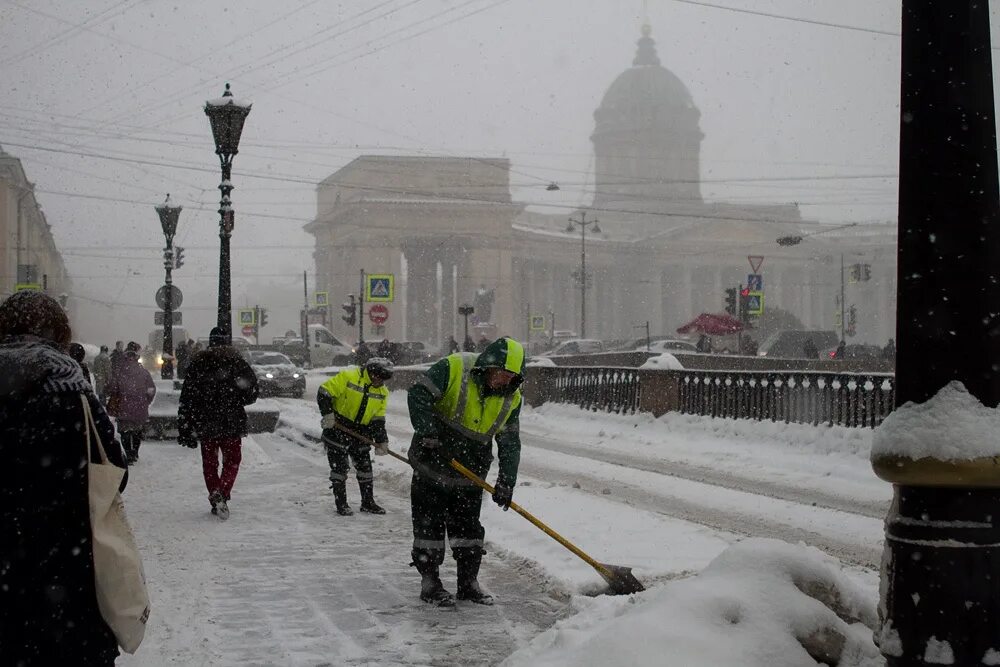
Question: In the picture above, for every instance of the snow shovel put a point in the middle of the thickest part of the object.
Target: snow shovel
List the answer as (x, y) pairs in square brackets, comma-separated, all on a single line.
[(620, 579)]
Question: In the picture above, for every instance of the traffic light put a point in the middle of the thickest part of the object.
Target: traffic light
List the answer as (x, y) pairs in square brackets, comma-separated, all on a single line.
[(745, 306), (349, 308), (262, 318), (731, 300), (866, 272), (178, 257), (855, 273)]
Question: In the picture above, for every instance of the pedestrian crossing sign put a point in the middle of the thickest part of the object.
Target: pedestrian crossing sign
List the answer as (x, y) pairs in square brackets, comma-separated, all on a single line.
[(538, 323), (379, 288), (755, 303), (322, 299), (247, 317)]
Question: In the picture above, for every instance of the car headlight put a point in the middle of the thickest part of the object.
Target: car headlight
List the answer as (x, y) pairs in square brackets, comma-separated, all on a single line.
[(159, 360), (269, 376), (295, 375)]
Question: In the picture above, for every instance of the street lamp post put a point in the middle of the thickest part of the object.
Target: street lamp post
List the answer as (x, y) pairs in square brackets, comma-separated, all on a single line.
[(465, 310), (168, 221), (227, 115), (584, 223)]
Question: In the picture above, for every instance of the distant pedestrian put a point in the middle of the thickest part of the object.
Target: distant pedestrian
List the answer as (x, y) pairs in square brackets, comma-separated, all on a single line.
[(218, 385), (117, 357), (840, 351), (468, 345), (129, 395), (49, 614), (889, 352), (704, 344), (386, 350), (483, 343), (78, 354), (362, 353), (102, 371), (452, 346), (809, 349)]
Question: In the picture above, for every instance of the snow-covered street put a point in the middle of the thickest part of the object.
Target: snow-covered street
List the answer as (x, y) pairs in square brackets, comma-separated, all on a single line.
[(287, 581)]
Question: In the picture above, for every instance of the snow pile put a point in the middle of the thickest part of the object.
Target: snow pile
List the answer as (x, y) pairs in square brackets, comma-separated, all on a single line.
[(662, 362), (760, 603), (952, 426), (540, 362)]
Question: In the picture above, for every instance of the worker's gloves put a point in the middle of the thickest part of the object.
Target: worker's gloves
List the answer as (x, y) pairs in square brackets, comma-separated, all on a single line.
[(429, 443), (503, 495), (329, 420), (381, 448)]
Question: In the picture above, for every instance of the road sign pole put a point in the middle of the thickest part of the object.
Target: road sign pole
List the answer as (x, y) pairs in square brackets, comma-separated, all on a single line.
[(361, 309)]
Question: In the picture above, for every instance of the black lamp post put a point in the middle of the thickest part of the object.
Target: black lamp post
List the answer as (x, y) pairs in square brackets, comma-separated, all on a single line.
[(227, 116), (168, 221), (465, 310), (584, 223)]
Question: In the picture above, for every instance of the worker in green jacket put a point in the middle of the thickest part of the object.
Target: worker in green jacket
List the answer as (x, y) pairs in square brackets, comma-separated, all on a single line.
[(458, 407), (352, 403)]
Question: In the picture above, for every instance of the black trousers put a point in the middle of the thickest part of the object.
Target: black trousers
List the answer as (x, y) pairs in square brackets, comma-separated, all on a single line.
[(440, 508), (131, 440), (338, 454)]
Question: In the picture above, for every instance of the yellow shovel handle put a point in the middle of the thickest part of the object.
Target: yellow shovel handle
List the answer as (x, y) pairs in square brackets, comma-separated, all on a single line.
[(475, 479)]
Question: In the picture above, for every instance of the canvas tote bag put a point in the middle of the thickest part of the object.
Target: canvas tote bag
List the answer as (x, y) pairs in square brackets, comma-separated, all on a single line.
[(121, 582)]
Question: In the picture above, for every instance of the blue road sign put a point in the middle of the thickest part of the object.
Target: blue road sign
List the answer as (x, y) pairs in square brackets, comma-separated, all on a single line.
[(755, 282)]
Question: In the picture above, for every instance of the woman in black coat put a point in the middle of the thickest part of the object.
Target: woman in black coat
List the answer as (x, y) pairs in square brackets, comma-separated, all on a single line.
[(48, 602)]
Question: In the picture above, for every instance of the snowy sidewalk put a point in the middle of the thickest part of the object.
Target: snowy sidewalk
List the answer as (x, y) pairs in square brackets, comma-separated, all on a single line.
[(287, 582)]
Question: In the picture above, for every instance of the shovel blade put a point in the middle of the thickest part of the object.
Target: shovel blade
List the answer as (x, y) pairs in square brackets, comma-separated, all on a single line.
[(622, 581)]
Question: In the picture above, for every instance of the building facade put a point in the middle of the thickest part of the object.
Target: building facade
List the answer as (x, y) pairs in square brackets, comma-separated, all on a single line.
[(28, 252), (450, 232)]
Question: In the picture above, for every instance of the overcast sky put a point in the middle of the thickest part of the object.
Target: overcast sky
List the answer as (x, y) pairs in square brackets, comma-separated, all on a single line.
[(330, 81)]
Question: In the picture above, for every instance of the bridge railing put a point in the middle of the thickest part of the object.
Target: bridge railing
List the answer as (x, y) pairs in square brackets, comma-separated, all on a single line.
[(808, 397)]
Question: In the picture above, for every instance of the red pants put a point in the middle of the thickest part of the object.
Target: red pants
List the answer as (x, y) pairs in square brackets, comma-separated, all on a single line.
[(232, 454)]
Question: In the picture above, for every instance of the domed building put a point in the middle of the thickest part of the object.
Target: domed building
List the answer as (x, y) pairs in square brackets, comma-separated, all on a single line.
[(659, 252)]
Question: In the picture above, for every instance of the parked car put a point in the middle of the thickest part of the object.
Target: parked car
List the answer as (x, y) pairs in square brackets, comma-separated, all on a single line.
[(276, 374), (576, 346), (414, 352), (854, 351), (790, 343), (667, 345)]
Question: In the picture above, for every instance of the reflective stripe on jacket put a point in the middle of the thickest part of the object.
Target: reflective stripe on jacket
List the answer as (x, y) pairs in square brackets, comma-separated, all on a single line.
[(353, 397), (465, 410)]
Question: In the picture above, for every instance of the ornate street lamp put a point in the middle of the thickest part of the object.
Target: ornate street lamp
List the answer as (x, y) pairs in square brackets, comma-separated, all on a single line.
[(584, 223), (168, 221), (227, 115)]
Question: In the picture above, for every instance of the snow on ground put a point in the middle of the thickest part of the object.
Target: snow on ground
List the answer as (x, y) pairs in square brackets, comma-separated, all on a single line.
[(287, 582)]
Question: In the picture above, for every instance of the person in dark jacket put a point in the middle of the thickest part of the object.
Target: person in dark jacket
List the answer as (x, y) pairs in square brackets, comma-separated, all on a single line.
[(129, 395), (352, 403), (183, 353), (78, 354), (48, 600), (457, 408), (218, 385), (809, 349)]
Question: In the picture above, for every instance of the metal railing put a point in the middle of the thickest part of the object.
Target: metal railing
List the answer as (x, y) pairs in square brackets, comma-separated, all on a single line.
[(845, 399), (596, 388)]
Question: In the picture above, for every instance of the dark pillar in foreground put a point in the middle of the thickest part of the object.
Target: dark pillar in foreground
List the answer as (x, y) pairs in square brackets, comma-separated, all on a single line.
[(942, 569)]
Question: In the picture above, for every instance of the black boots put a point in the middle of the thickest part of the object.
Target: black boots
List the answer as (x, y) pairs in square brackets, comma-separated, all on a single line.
[(368, 503), (468, 582), (340, 498), (431, 589)]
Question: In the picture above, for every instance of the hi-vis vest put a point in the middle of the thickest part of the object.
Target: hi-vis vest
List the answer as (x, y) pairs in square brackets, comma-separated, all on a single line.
[(464, 410), (347, 388)]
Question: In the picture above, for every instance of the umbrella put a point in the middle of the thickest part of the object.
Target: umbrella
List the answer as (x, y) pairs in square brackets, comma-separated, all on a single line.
[(712, 324)]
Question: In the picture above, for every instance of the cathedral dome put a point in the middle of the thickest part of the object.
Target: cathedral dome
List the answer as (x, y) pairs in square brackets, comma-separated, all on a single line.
[(647, 140)]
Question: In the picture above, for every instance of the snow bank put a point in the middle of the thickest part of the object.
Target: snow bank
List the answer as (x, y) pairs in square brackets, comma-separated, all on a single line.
[(540, 362), (952, 426), (662, 362), (760, 603)]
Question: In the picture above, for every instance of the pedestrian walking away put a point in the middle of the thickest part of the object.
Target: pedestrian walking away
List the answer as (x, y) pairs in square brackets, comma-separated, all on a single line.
[(457, 408), (353, 403), (49, 614), (78, 354), (130, 392), (102, 372), (218, 386)]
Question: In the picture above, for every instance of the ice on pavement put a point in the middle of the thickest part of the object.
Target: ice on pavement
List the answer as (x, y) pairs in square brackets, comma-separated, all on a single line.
[(953, 425)]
